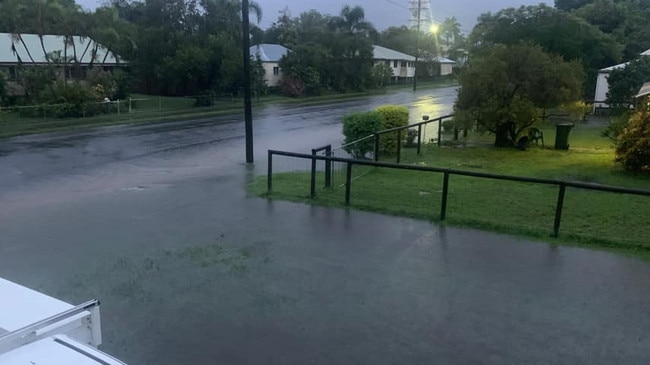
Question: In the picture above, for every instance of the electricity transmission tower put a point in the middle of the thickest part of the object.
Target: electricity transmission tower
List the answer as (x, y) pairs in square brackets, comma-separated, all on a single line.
[(421, 14)]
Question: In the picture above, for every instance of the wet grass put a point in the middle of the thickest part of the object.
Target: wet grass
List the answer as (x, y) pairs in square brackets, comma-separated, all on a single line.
[(598, 219), (158, 109)]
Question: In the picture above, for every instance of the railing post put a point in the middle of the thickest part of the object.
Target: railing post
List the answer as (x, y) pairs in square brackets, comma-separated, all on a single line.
[(419, 137), (445, 192), (269, 176), (399, 145), (439, 131), (558, 210), (328, 167), (376, 146), (312, 191), (348, 182)]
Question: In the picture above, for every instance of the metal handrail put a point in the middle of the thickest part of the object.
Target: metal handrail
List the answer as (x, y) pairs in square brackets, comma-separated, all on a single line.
[(22, 333)]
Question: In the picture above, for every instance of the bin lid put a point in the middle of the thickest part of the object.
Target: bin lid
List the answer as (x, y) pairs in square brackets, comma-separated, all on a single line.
[(21, 306)]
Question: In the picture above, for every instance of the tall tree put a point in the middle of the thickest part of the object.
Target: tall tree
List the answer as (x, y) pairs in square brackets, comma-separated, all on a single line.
[(549, 27), (505, 88)]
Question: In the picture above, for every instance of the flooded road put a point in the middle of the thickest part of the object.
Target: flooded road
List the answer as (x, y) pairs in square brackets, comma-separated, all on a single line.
[(154, 221)]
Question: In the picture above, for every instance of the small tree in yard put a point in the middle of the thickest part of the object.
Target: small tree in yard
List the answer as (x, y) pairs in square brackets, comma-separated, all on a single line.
[(505, 88), (633, 147), (357, 126)]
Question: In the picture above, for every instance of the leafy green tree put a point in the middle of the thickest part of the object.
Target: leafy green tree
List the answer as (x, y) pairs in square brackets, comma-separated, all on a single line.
[(550, 28), (381, 75), (568, 5), (505, 88), (624, 83)]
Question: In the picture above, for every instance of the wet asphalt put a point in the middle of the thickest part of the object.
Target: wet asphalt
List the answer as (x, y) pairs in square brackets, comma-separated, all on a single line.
[(154, 221)]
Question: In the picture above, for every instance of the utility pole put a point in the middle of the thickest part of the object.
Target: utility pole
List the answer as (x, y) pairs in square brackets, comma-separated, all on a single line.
[(248, 108), (417, 48)]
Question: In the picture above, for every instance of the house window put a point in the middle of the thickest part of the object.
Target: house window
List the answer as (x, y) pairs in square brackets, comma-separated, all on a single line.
[(395, 64), (388, 63), (403, 64), (276, 71)]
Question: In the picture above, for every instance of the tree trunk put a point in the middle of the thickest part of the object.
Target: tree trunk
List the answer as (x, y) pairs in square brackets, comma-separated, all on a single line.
[(502, 135)]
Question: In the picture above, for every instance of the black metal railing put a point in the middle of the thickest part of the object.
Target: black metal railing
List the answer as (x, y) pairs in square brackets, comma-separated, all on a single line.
[(349, 163)]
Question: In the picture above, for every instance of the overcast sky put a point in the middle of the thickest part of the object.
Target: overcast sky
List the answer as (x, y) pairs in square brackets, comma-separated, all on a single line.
[(382, 13)]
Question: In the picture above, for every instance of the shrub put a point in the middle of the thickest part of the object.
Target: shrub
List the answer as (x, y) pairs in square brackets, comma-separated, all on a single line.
[(392, 116), (633, 149), (357, 126)]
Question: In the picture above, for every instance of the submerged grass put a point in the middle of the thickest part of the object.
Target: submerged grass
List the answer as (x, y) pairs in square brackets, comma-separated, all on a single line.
[(590, 218)]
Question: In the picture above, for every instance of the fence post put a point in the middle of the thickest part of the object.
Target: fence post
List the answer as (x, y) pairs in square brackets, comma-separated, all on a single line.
[(118, 106), (269, 176), (328, 167), (348, 182), (439, 131), (445, 192), (312, 190), (130, 104), (399, 145), (376, 147), (558, 210), (419, 137)]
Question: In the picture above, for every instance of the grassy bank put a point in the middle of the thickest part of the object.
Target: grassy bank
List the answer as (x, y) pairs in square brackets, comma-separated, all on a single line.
[(590, 218), (153, 109)]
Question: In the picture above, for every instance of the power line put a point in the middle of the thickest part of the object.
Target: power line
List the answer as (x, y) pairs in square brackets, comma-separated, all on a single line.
[(397, 4)]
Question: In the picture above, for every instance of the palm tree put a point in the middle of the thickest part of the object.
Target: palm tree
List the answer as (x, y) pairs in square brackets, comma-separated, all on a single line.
[(450, 31), (15, 11), (352, 20), (46, 12)]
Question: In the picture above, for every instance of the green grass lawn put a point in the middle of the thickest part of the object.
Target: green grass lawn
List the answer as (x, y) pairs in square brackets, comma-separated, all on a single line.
[(589, 218)]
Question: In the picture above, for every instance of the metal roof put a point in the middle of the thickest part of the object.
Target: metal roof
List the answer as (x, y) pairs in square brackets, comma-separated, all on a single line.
[(383, 53), (12, 49), (645, 90), (269, 52), (646, 53), (615, 67)]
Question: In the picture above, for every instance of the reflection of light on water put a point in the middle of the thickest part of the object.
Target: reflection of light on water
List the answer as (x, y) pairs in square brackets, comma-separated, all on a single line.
[(434, 109)]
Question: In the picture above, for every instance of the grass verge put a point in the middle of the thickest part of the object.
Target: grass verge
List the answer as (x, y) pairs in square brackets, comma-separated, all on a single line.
[(155, 109), (595, 219)]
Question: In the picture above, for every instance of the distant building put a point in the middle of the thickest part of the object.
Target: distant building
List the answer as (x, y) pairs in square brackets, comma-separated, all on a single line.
[(26, 50), (602, 84), (446, 66), (403, 65), (270, 56)]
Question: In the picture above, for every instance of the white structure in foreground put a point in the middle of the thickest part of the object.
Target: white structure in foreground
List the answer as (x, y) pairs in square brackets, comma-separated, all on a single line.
[(38, 329)]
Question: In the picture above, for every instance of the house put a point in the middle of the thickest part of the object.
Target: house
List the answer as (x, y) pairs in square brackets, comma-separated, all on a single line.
[(642, 99), (403, 65), (73, 55), (270, 56), (602, 85), (446, 66)]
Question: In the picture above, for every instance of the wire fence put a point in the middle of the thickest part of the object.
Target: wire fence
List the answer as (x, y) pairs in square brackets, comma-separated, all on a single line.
[(521, 204), (128, 107)]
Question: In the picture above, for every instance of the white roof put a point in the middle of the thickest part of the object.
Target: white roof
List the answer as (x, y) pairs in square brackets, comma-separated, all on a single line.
[(621, 65), (269, 52), (444, 60), (21, 306), (383, 53), (645, 90), (57, 350), (612, 68), (12, 48)]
